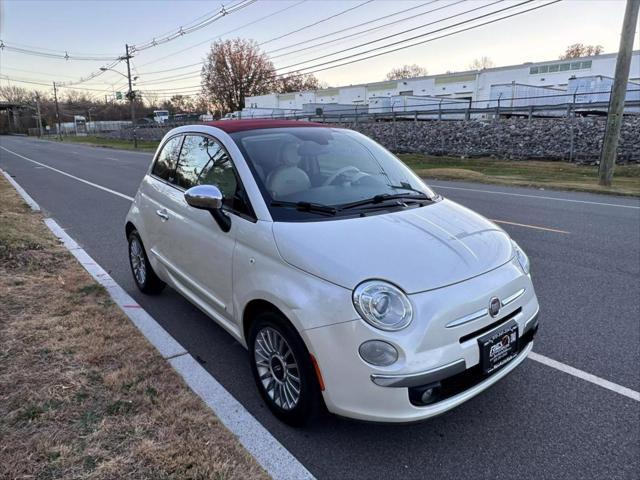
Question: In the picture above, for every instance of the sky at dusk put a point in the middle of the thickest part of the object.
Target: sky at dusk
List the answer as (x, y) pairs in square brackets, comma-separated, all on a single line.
[(103, 27)]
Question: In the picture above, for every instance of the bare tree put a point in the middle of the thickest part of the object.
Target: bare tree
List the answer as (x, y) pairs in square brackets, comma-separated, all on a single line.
[(202, 105), (581, 50), (295, 82), (182, 103), (151, 98), (407, 71), (236, 69), (15, 94), (481, 63)]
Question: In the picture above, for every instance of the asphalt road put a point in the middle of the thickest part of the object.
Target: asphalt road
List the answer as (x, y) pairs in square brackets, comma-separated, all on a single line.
[(538, 422)]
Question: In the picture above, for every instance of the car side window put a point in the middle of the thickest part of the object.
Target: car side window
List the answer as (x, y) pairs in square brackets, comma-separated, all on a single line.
[(204, 161), (196, 153), (165, 166)]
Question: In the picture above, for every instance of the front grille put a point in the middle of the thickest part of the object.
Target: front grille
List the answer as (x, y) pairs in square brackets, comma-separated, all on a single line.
[(491, 326), (462, 381)]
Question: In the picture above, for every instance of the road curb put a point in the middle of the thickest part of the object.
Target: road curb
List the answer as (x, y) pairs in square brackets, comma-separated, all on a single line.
[(278, 462), (25, 196)]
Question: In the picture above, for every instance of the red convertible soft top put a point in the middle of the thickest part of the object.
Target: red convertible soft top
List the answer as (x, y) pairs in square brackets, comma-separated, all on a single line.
[(231, 126)]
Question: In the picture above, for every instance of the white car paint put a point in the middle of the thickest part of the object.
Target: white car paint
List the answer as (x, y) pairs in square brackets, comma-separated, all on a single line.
[(420, 249), (449, 260)]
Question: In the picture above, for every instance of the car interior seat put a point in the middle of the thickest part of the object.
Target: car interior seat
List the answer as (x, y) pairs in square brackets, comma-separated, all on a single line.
[(288, 178)]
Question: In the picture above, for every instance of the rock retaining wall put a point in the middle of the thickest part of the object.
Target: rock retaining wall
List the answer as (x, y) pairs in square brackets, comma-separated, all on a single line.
[(576, 139), (573, 139)]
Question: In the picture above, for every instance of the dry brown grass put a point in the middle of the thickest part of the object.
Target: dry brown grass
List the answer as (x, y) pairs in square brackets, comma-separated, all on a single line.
[(82, 393), (526, 173)]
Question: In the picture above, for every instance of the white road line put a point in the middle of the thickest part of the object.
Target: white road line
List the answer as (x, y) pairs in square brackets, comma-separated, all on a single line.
[(614, 387), (546, 229), (278, 462), (540, 197), (121, 195)]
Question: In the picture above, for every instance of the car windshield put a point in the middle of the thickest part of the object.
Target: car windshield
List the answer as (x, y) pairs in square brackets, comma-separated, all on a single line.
[(313, 168)]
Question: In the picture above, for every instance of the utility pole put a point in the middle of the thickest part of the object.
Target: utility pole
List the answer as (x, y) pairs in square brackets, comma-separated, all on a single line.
[(55, 97), (618, 93), (38, 113), (131, 96)]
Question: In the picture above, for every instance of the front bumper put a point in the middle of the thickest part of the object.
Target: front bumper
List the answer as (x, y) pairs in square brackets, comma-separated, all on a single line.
[(430, 353)]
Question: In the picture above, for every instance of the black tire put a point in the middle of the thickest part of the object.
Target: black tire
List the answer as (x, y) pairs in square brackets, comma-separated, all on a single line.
[(147, 281), (308, 405)]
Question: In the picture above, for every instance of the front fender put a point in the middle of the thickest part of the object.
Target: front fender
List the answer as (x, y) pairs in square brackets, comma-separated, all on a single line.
[(259, 273)]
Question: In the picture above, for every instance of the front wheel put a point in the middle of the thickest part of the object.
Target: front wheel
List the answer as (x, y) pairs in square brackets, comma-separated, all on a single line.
[(146, 279), (282, 369)]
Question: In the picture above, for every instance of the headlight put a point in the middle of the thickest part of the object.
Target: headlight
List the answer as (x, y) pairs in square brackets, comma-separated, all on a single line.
[(523, 260), (382, 305)]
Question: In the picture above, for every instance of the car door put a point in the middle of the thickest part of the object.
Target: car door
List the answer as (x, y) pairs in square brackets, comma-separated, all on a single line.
[(151, 200), (196, 252)]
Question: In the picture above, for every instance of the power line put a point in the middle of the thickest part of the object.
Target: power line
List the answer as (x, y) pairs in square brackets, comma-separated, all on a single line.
[(369, 30), (9, 47), (174, 90), (359, 33), (180, 32), (47, 84), (302, 42), (173, 78), (423, 41), (57, 51), (223, 12), (317, 22), (4, 67), (222, 35), (171, 69), (407, 31), (95, 74)]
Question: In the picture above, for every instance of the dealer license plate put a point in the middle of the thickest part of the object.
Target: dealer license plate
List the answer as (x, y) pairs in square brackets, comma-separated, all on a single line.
[(499, 347)]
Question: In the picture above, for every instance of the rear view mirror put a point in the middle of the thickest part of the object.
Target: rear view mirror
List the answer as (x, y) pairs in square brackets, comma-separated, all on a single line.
[(204, 197), (210, 198)]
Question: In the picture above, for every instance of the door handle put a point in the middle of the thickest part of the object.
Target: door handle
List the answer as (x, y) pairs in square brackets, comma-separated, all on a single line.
[(162, 214)]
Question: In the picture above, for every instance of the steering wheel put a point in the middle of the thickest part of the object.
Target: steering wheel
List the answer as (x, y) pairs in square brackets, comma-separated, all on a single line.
[(332, 178)]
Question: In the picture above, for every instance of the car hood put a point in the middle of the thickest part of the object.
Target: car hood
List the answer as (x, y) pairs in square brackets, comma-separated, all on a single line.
[(416, 249)]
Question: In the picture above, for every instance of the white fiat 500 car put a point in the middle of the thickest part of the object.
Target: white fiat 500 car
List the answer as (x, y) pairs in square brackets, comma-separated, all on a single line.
[(351, 283)]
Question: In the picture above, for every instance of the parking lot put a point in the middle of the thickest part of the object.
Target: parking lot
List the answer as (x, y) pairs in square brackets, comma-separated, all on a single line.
[(544, 420)]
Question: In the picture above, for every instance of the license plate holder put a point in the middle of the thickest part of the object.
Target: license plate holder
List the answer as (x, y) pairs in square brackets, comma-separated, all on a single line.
[(498, 347)]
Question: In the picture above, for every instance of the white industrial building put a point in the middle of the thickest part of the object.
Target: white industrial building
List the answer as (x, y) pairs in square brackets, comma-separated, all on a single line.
[(556, 79)]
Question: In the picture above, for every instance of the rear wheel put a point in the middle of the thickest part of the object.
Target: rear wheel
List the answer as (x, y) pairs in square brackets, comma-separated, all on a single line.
[(282, 369), (143, 274)]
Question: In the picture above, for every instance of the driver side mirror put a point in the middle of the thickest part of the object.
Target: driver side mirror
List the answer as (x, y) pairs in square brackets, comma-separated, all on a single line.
[(210, 198)]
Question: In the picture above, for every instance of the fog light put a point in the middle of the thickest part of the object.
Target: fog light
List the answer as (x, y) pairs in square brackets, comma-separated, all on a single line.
[(425, 395), (379, 353), (428, 395)]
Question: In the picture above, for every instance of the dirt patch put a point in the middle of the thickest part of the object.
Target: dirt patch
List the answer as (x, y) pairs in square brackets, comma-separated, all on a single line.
[(82, 393)]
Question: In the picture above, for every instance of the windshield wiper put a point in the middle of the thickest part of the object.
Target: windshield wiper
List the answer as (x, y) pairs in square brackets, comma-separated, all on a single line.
[(384, 197), (306, 207), (405, 186)]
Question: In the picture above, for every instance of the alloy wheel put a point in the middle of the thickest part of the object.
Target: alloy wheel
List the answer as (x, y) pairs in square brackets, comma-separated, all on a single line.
[(136, 253), (277, 368)]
